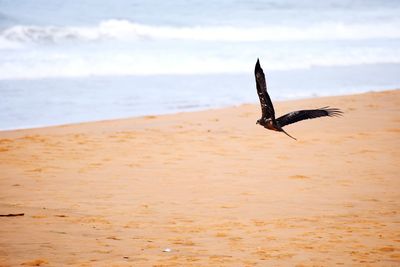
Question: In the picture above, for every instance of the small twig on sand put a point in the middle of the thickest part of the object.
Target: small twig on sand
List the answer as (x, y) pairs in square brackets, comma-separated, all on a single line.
[(12, 214)]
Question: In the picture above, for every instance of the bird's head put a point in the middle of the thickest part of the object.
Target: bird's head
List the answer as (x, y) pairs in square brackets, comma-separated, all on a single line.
[(258, 121)]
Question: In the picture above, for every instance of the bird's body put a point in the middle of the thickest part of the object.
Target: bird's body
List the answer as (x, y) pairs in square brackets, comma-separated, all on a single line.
[(268, 119), (269, 125)]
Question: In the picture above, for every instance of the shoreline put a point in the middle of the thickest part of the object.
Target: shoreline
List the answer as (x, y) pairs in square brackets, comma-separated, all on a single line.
[(56, 101), (172, 113), (207, 188)]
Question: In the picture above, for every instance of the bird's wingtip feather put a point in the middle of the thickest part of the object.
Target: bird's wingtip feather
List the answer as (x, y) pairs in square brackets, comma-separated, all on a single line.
[(258, 66), (334, 112)]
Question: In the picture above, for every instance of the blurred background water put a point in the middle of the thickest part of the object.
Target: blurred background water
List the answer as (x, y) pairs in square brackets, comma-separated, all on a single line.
[(73, 61)]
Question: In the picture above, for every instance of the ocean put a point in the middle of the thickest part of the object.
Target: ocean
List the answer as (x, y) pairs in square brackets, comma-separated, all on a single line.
[(74, 61)]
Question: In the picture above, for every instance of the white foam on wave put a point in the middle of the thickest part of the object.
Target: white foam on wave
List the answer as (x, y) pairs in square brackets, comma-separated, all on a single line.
[(117, 65), (121, 47), (124, 30)]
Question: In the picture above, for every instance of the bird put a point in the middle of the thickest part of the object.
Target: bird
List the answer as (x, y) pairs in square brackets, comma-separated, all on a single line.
[(268, 119)]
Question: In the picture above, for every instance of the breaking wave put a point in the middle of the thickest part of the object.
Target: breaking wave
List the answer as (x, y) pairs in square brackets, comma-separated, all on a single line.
[(122, 47), (124, 30)]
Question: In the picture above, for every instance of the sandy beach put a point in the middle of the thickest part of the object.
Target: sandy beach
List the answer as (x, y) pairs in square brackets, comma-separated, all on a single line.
[(207, 188)]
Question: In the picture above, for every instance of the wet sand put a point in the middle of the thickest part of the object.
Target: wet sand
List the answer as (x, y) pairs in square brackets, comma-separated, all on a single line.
[(207, 188)]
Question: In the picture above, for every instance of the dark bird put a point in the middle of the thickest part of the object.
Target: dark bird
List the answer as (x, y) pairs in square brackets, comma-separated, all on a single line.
[(268, 119)]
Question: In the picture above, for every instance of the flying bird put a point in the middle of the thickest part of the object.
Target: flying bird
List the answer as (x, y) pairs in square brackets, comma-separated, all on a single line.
[(268, 119)]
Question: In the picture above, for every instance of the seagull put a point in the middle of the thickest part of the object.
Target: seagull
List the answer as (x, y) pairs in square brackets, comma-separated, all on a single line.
[(268, 119)]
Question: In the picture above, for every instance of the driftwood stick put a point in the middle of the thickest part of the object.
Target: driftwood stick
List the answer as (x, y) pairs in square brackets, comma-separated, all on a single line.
[(12, 214)]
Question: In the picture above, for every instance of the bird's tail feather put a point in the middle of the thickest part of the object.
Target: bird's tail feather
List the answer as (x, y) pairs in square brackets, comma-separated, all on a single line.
[(288, 134)]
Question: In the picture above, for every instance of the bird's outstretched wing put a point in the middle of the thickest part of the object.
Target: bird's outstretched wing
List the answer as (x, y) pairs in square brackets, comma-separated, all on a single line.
[(300, 115), (266, 105)]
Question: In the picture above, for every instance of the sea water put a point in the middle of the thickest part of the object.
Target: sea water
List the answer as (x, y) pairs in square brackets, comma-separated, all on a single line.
[(73, 61)]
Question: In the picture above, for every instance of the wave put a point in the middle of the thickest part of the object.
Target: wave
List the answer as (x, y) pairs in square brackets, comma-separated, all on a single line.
[(121, 47), (124, 30), (56, 66)]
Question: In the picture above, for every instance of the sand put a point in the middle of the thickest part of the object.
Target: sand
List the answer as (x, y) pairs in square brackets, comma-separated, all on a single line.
[(207, 188)]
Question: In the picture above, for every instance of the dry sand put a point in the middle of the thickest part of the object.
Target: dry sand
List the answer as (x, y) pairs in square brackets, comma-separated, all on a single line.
[(212, 186)]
